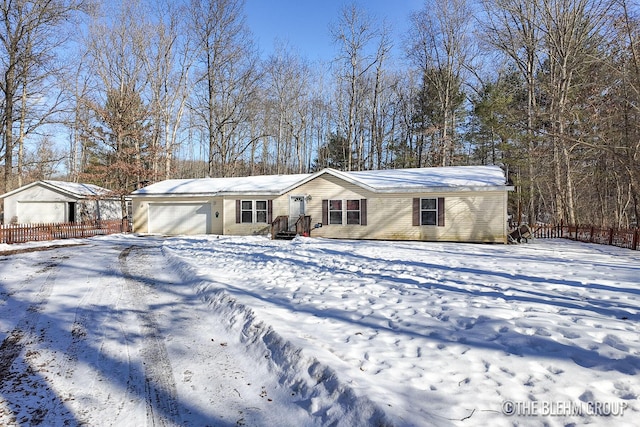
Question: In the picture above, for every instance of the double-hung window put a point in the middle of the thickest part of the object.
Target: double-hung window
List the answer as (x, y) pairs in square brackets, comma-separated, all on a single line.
[(246, 213), (252, 211), (428, 211), (353, 212), (335, 211), (261, 211), (349, 212)]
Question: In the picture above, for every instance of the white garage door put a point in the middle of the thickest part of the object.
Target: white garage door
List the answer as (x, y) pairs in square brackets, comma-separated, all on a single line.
[(179, 218), (41, 212)]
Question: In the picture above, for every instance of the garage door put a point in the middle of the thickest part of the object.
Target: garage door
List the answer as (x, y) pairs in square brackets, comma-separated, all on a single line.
[(179, 218), (41, 212)]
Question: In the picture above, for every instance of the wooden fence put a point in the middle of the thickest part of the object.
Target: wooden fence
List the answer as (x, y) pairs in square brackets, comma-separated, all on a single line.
[(21, 233), (623, 238)]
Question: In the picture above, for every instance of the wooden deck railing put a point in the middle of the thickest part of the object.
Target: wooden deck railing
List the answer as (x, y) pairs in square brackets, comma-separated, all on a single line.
[(21, 233), (303, 225), (281, 223), (623, 238), (280, 227)]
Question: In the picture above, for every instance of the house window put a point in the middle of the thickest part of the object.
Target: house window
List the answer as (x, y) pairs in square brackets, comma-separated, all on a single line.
[(253, 211), (261, 211), (428, 211), (247, 211), (353, 211), (335, 211)]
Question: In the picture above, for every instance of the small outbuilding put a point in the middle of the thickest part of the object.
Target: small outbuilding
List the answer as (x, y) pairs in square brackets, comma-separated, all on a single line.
[(462, 204), (44, 202)]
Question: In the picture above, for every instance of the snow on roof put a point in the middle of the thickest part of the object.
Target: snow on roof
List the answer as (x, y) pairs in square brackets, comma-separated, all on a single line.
[(397, 180), (79, 189), (71, 188), (249, 184), (459, 177)]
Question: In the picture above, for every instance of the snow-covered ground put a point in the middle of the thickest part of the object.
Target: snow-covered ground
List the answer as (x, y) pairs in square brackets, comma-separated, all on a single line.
[(319, 331)]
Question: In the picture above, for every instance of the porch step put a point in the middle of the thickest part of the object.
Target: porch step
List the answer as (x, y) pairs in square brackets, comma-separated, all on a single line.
[(285, 235)]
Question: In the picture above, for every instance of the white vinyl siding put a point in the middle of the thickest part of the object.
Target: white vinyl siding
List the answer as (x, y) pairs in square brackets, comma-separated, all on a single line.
[(466, 216), (42, 212), (470, 216)]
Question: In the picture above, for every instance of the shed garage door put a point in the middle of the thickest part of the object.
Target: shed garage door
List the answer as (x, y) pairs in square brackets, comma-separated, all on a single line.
[(179, 218), (41, 212)]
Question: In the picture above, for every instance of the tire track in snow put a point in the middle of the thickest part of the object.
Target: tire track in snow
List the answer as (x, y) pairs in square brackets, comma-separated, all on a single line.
[(159, 386), (85, 315), (13, 344), (24, 333)]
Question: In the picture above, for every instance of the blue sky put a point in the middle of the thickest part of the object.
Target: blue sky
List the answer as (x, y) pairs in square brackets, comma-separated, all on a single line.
[(304, 24)]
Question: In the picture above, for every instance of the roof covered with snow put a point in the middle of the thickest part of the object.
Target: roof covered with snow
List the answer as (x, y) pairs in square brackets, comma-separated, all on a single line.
[(74, 189), (264, 184), (436, 178), (79, 189), (454, 178)]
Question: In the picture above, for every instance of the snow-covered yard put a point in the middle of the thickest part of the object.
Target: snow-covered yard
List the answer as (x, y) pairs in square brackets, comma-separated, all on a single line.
[(324, 331)]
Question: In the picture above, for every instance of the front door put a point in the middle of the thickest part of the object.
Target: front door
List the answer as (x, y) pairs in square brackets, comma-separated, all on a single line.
[(296, 208)]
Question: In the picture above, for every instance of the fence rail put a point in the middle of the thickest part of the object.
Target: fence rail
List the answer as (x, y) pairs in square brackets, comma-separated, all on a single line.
[(623, 238), (21, 233)]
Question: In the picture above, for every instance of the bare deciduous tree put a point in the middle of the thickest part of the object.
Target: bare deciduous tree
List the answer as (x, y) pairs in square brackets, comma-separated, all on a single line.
[(571, 31), (354, 34), (227, 81), (31, 34), (168, 62), (118, 127), (288, 90), (378, 104)]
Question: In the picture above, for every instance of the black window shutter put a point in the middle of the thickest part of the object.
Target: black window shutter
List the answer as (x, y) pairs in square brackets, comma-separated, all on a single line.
[(237, 211), (440, 211), (416, 212), (269, 211), (363, 211), (325, 212)]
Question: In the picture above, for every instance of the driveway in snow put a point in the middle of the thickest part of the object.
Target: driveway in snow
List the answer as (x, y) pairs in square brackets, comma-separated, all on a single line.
[(230, 330), (104, 333)]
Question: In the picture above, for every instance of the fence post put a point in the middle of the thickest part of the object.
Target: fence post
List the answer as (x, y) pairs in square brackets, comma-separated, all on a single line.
[(636, 235), (611, 236)]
